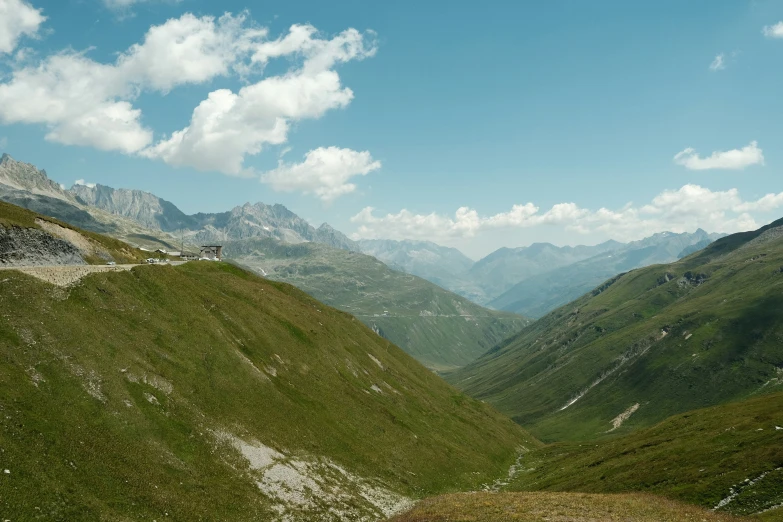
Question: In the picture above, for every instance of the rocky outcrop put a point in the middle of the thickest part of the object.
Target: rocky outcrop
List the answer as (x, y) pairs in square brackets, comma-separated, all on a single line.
[(26, 177), (144, 208), (34, 247)]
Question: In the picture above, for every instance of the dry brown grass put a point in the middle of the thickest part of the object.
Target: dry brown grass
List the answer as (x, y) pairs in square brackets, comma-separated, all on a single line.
[(556, 507)]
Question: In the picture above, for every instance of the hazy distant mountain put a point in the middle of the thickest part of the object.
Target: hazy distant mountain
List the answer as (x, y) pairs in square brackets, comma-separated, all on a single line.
[(506, 267), (441, 265), (537, 295)]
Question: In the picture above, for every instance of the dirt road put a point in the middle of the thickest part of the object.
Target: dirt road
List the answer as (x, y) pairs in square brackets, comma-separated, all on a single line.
[(64, 275)]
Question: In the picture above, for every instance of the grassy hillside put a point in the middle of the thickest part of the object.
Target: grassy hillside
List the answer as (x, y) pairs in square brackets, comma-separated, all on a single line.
[(565, 507), (101, 247), (646, 345), (699, 457), (203, 392), (437, 327)]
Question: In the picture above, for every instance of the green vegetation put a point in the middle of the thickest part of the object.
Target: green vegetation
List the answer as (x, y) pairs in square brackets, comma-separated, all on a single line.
[(14, 216), (440, 329), (698, 457), (122, 395), (705, 330), (561, 507)]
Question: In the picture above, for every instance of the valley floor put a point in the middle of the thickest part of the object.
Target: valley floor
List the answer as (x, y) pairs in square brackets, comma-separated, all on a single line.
[(556, 507)]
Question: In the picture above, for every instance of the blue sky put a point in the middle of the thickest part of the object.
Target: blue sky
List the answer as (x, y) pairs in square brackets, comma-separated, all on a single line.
[(531, 117)]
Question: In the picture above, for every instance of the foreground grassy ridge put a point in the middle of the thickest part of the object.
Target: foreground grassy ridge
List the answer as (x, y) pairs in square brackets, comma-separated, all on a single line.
[(14, 216), (440, 329), (668, 338), (697, 457), (112, 390), (555, 507)]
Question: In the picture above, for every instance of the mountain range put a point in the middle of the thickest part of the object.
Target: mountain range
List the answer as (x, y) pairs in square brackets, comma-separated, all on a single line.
[(646, 344), (441, 329), (205, 391)]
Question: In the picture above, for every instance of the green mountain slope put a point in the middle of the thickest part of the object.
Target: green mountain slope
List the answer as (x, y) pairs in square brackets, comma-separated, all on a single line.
[(549, 289), (668, 338), (437, 327), (728, 456), (203, 392), (570, 507)]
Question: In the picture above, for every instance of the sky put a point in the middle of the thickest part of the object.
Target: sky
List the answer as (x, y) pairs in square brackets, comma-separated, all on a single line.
[(477, 125)]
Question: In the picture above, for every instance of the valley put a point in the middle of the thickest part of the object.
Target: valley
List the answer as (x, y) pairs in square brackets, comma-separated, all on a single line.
[(245, 398)]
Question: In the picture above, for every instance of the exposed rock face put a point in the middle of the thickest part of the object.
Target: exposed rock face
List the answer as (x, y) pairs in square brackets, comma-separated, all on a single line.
[(329, 236), (26, 177), (24, 185), (33, 247), (146, 209), (272, 221), (242, 222)]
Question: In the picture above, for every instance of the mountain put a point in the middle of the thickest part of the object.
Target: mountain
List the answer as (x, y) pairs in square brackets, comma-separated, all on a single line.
[(446, 267), (204, 392), (142, 207), (440, 329), (505, 267), (249, 220), (538, 295), (704, 330), (22, 184), (485, 279)]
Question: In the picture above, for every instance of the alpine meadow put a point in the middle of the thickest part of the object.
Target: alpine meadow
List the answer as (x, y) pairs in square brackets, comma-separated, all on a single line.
[(402, 262)]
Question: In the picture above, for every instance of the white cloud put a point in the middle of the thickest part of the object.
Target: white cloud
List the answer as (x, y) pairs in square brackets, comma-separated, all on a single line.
[(228, 126), (773, 31), (188, 50), (685, 209), (3, 142), (718, 63), (81, 182), (17, 18), (78, 99), (324, 172), (735, 159), (84, 102)]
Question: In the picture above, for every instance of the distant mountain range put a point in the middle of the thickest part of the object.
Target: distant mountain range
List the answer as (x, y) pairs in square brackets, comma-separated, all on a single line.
[(141, 217), (532, 280), (441, 329), (535, 296), (663, 339)]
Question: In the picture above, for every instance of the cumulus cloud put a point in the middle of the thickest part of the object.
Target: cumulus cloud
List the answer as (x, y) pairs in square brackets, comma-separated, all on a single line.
[(718, 63), (17, 19), (735, 159), (188, 50), (228, 126), (84, 102), (324, 172), (773, 31), (79, 100), (685, 209)]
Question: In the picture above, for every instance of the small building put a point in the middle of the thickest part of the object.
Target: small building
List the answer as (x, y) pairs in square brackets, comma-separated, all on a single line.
[(211, 252), (189, 256)]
